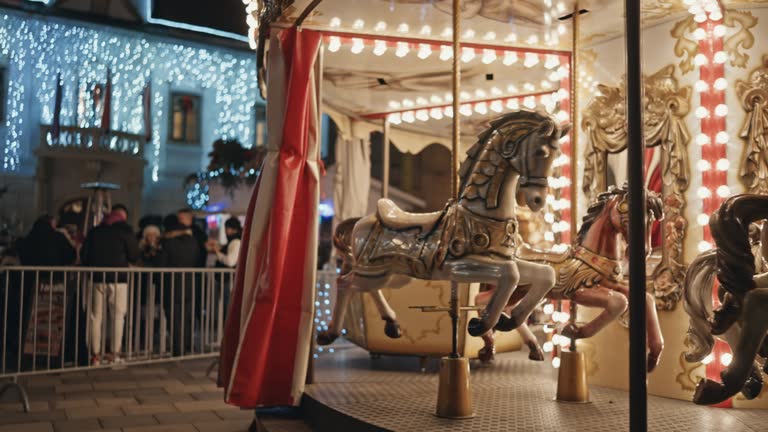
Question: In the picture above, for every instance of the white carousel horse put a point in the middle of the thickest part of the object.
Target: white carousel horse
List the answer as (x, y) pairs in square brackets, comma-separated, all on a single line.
[(472, 240), (740, 266)]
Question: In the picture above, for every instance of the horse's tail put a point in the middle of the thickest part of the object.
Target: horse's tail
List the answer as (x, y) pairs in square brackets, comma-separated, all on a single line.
[(697, 301), (342, 240)]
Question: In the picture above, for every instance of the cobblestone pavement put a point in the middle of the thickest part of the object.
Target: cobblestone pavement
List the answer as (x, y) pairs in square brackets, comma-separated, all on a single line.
[(163, 397)]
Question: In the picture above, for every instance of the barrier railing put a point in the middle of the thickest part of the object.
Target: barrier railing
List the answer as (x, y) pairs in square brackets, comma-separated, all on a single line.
[(58, 319)]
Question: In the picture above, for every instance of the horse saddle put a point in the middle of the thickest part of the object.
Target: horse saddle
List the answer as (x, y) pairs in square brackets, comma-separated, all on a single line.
[(395, 218), (527, 253)]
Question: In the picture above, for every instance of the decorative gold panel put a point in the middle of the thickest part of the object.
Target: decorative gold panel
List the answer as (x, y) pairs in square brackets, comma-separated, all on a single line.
[(753, 94), (666, 105), (737, 39)]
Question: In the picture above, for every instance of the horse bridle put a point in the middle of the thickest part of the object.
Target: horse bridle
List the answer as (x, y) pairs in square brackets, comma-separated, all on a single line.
[(525, 179)]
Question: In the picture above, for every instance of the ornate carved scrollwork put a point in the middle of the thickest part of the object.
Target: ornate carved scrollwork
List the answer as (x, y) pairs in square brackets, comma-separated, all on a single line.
[(666, 105), (740, 38), (753, 94)]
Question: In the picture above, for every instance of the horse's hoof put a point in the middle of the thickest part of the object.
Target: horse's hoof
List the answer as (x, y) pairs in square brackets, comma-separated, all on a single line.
[(325, 338), (754, 384), (487, 354), (709, 392), (535, 353), (505, 324), (392, 329), (477, 327)]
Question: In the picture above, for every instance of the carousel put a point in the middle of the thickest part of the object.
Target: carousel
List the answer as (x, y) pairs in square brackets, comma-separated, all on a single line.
[(556, 206)]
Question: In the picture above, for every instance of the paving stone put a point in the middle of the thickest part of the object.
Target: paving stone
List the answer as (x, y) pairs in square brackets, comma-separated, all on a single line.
[(34, 406), (186, 417), (71, 388), (149, 409), (201, 405), (217, 395), (27, 427), (159, 383), (184, 388), (92, 412), (88, 395), (38, 417), (116, 401), (234, 414), (163, 428), (139, 391), (82, 425), (128, 421), (223, 426), (158, 398), (114, 385), (75, 403)]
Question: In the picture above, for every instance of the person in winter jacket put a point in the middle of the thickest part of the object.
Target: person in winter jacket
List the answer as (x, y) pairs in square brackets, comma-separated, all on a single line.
[(178, 249), (110, 245)]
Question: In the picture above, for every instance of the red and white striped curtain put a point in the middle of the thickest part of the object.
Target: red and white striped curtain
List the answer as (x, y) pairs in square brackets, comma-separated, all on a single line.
[(267, 340)]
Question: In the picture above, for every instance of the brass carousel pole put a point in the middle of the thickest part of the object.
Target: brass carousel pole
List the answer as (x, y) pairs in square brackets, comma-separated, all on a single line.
[(454, 399), (385, 158)]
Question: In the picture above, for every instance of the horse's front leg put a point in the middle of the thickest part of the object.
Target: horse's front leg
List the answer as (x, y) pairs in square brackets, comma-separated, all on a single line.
[(542, 279), (652, 326), (612, 302), (343, 296), (391, 326), (504, 274)]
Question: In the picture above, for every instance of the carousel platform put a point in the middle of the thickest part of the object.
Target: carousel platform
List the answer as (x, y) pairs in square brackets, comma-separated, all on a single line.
[(353, 391)]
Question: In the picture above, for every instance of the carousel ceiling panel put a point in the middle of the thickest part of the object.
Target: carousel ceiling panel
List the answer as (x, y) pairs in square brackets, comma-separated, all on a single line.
[(530, 23)]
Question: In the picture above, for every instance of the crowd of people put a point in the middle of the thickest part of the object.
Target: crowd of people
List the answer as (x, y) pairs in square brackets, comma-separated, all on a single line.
[(114, 244)]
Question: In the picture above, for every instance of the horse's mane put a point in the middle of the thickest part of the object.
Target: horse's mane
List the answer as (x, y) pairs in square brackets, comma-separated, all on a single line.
[(480, 174), (653, 205), (735, 263)]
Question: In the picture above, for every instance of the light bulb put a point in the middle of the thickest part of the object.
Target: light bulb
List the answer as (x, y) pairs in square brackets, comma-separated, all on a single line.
[(357, 46), (358, 24), (531, 60), (720, 57), (464, 95), (702, 219), (704, 246), (701, 86), (446, 53), (489, 56), (551, 62), (435, 99), (421, 101), (481, 108), (704, 192), (529, 87), (497, 106), (716, 15), (448, 111), (465, 110), (402, 49), (708, 359), (726, 359), (510, 58), (403, 28), (379, 47), (436, 113), (409, 117), (408, 103), (532, 40), (469, 34), (702, 112), (723, 191), (561, 29), (703, 165), (720, 84), (335, 22), (395, 118), (490, 36), (513, 104), (424, 51), (549, 236), (334, 43), (700, 60), (548, 347), (512, 37), (719, 30), (546, 84), (530, 102), (496, 91), (425, 31), (700, 18), (556, 362), (467, 54), (394, 105), (723, 164), (422, 115), (700, 34), (722, 137), (380, 26), (721, 110), (549, 308)]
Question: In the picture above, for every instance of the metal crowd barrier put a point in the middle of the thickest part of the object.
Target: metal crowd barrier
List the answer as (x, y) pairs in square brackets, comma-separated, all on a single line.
[(59, 319)]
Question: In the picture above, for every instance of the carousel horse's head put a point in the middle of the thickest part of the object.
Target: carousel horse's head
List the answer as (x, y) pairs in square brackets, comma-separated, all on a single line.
[(526, 142)]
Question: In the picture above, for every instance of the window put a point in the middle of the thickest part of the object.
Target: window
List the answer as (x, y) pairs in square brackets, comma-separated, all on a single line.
[(3, 91), (185, 118), (261, 125)]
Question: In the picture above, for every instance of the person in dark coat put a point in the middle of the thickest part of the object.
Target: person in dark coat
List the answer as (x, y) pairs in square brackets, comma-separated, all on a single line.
[(47, 246), (187, 219), (178, 249), (111, 244)]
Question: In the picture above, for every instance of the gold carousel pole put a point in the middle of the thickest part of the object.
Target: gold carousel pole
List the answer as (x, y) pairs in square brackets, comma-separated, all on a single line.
[(454, 399), (574, 118), (385, 158)]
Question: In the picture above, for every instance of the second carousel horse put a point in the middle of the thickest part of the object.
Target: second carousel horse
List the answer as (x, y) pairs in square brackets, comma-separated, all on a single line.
[(590, 273), (470, 240), (741, 321)]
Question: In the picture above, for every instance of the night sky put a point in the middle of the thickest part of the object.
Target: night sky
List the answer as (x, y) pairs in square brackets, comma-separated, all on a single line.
[(227, 15)]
